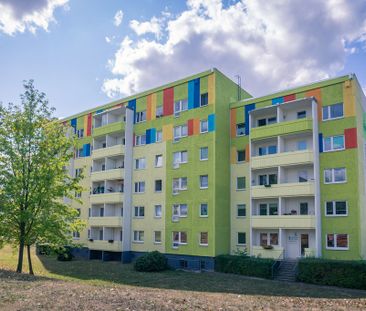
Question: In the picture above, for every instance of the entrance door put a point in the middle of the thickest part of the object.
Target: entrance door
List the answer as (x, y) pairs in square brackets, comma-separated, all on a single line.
[(292, 245), (304, 243)]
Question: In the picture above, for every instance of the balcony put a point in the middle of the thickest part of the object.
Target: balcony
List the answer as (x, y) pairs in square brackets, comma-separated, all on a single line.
[(102, 245), (105, 221), (109, 128), (107, 174), (276, 252), (108, 151), (114, 197), (283, 190), (284, 221), (282, 159), (281, 128)]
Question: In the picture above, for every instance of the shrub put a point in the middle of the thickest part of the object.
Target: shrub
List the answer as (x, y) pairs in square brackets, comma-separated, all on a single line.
[(250, 266), (351, 274), (44, 249), (151, 262), (64, 253)]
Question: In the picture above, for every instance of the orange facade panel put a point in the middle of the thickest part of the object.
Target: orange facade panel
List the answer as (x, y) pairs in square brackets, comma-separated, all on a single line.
[(233, 122), (318, 95)]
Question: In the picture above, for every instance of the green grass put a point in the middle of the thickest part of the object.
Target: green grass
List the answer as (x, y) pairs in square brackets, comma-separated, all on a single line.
[(115, 273)]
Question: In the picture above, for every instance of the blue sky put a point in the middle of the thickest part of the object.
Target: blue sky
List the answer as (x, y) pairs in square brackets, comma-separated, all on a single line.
[(81, 57)]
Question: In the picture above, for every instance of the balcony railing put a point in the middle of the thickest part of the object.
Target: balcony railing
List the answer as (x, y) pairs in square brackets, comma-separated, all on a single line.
[(283, 190)]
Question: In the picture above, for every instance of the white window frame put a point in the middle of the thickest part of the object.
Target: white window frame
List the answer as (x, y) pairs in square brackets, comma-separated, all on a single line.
[(180, 183), (203, 187), (180, 157), (183, 105), (334, 209), (179, 241), (180, 128), (161, 110), (203, 159), (76, 235), (237, 156), (199, 239), (237, 239), (139, 183), (179, 214), (204, 126), (140, 164), (159, 136), (329, 116), (335, 242), (333, 181), (200, 210), (237, 210), (161, 211), (158, 191), (138, 234), (161, 237), (236, 129), (157, 157), (140, 116), (332, 143), (138, 140), (140, 210), (236, 183)]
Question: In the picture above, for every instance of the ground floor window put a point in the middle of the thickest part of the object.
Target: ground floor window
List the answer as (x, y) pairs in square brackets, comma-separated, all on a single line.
[(204, 238), (138, 236), (337, 241), (270, 238), (157, 236), (180, 237), (241, 238)]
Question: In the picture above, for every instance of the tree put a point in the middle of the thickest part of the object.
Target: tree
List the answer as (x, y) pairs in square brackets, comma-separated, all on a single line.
[(35, 150)]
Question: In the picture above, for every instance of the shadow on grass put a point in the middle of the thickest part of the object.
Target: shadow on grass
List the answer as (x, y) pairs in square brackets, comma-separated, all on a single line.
[(97, 272)]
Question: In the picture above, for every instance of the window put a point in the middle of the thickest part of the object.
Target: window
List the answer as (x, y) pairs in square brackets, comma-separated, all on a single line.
[(157, 237), (268, 238), (336, 208), (240, 129), (204, 238), (301, 114), (303, 176), (333, 143), (302, 145), (158, 185), (241, 210), (240, 156), (203, 153), (180, 131), (80, 133), (180, 237), (204, 126), (333, 112), (203, 181), (180, 210), (157, 211), (159, 136), (139, 211), (272, 149), (78, 172), (271, 120), (158, 160), (138, 236), (179, 184), (79, 153), (242, 239), (140, 140), (262, 122), (203, 210), (76, 235), (304, 209), (240, 183), (140, 164), (337, 241), (270, 179), (159, 112), (180, 157), (140, 116), (139, 187), (335, 175), (180, 105), (204, 100), (268, 209)]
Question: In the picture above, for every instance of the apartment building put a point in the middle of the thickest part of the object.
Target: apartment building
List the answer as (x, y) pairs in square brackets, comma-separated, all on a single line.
[(191, 171)]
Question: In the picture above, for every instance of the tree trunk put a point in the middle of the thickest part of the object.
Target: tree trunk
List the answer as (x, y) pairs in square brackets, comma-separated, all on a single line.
[(21, 248), (30, 260)]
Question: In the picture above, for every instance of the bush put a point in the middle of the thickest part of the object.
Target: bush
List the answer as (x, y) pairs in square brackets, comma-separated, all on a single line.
[(250, 266), (351, 274), (151, 262), (64, 254), (44, 249)]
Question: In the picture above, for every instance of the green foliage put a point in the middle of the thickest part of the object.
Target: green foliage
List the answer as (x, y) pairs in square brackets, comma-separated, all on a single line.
[(35, 150), (151, 262), (250, 266), (351, 274), (64, 253)]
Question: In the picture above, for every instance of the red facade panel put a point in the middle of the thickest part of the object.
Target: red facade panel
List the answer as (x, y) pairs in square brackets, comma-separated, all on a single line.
[(190, 127), (350, 136), (168, 101), (288, 98)]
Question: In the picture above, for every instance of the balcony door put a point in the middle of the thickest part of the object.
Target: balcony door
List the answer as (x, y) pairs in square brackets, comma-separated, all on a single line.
[(304, 243)]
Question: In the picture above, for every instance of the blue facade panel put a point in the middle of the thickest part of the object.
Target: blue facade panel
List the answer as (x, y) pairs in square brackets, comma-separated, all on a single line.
[(74, 123), (211, 122), (247, 109), (193, 93), (152, 135), (86, 150), (148, 140), (320, 142), (278, 100), (132, 105)]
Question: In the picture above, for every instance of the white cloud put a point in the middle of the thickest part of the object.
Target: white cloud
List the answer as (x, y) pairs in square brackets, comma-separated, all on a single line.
[(118, 18), (271, 44), (19, 16), (153, 26)]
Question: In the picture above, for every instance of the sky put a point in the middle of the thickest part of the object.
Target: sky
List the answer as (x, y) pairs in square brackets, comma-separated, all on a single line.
[(85, 53)]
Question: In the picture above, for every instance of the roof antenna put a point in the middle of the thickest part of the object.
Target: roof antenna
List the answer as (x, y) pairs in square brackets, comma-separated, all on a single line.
[(238, 77)]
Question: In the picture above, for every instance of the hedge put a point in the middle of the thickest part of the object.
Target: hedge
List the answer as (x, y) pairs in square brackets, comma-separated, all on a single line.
[(151, 262), (351, 274), (250, 266)]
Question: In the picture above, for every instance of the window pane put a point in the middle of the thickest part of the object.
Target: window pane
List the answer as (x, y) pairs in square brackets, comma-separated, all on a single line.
[(175, 210), (303, 176), (325, 113), (204, 181), (329, 208), (263, 180), (240, 129), (262, 209), (273, 209), (158, 210), (339, 174), (262, 122), (330, 240), (341, 208), (342, 240), (262, 151), (241, 155), (204, 238), (184, 130), (273, 237), (241, 210), (336, 111), (183, 237), (240, 183), (241, 238), (272, 149), (204, 209), (301, 114), (176, 157), (328, 176), (204, 126), (263, 238), (204, 99), (304, 208), (272, 120), (183, 210), (272, 179), (302, 145), (176, 236), (204, 153), (338, 142), (327, 144), (184, 156)]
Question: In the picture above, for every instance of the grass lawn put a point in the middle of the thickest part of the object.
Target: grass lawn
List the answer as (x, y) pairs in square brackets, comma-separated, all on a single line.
[(93, 285)]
